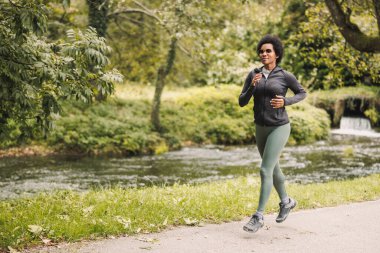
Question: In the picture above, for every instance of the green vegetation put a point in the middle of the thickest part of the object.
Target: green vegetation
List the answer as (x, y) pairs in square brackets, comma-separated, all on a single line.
[(71, 216), (362, 99), (121, 125), (165, 43), (319, 55), (37, 74)]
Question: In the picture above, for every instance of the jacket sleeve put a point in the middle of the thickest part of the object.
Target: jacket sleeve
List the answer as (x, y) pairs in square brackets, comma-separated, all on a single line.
[(295, 86), (247, 92)]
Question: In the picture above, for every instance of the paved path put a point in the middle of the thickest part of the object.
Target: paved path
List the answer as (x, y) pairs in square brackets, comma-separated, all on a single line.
[(343, 229)]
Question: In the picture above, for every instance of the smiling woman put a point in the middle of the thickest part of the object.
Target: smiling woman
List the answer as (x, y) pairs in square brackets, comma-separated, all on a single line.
[(268, 86)]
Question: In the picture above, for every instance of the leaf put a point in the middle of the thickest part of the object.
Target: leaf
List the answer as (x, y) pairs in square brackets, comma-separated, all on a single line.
[(35, 229), (190, 222), (126, 223), (64, 217), (165, 221), (87, 211), (147, 239), (12, 250), (46, 241)]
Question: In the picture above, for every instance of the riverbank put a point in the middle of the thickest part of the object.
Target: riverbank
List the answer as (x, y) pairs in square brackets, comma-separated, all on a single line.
[(68, 216), (121, 125)]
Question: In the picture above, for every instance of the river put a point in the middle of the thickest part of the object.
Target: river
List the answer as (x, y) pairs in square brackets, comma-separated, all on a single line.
[(340, 157)]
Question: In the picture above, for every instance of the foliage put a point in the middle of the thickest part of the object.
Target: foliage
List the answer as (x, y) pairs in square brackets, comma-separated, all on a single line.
[(343, 14), (309, 124), (199, 115), (37, 75), (117, 127), (70, 216), (231, 50), (319, 55), (368, 97)]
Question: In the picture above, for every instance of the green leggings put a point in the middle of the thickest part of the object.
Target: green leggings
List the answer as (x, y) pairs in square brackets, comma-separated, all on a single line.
[(270, 141)]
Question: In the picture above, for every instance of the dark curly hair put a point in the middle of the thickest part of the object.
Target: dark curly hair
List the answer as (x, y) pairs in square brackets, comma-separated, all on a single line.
[(277, 46)]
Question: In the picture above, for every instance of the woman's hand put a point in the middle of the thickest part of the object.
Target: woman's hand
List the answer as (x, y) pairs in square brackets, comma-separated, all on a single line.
[(277, 102), (256, 79)]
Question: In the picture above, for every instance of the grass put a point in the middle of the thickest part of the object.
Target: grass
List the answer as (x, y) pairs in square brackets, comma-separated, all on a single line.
[(344, 92), (198, 115), (121, 125), (71, 216)]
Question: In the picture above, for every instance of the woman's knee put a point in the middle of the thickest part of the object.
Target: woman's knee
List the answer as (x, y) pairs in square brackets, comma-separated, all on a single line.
[(265, 174)]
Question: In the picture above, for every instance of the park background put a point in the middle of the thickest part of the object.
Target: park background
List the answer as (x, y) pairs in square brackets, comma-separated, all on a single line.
[(154, 76)]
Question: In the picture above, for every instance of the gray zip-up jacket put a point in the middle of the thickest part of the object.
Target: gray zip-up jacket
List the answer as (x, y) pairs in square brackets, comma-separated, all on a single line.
[(277, 83)]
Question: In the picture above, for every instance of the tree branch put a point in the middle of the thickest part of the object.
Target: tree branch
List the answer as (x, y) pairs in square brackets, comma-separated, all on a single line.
[(144, 11), (350, 31), (129, 11)]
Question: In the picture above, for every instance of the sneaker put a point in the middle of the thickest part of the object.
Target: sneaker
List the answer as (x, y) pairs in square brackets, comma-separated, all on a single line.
[(285, 210), (255, 223)]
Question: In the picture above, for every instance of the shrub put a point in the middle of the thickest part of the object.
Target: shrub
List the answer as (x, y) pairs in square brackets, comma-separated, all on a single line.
[(199, 115)]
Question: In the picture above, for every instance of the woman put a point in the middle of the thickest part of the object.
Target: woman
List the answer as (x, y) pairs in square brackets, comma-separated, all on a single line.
[(268, 86)]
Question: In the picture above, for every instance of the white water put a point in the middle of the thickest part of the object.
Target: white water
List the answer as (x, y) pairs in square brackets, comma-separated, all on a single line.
[(355, 126)]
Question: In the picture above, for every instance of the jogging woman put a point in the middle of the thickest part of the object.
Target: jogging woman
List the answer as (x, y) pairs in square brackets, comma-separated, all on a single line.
[(268, 86)]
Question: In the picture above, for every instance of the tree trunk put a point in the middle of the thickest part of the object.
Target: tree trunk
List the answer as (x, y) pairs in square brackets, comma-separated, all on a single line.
[(162, 73), (376, 5), (350, 31), (97, 15), (97, 18)]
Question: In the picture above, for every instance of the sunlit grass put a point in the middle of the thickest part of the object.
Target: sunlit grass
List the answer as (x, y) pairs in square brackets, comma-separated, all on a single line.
[(138, 91), (71, 216)]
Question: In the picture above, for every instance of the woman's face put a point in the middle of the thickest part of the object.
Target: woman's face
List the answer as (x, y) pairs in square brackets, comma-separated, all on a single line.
[(267, 55)]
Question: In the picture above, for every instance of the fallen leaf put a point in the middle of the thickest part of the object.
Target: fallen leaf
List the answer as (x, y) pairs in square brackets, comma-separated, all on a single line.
[(87, 211), (190, 222), (147, 248), (35, 229), (46, 241), (64, 217), (146, 239), (12, 250), (126, 223), (165, 221)]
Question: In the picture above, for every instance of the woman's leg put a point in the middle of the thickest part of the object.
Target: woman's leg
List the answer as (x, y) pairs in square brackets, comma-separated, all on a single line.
[(279, 182), (273, 142)]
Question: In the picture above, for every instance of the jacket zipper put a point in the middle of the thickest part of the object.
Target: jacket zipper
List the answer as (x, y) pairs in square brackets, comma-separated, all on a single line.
[(265, 93), (263, 111)]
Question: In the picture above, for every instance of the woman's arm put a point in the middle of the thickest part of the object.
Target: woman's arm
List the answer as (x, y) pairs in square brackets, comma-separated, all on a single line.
[(295, 86), (247, 91)]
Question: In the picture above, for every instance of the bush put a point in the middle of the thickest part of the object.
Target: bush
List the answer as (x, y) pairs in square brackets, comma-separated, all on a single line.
[(336, 101), (199, 115), (309, 124)]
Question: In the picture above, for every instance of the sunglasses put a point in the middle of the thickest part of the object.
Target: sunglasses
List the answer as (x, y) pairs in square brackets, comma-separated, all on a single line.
[(268, 51)]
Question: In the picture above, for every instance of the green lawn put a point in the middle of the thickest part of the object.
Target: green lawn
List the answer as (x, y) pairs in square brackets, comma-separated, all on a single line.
[(71, 216)]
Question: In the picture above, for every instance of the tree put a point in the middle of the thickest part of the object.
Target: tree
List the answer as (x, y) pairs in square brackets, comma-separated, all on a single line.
[(319, 55), (36, 75), (97, 15), (351, 31), (180, 20)]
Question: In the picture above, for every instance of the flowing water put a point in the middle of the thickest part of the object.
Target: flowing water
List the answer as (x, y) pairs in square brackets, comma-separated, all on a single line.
[(356, 126), (341, 157)]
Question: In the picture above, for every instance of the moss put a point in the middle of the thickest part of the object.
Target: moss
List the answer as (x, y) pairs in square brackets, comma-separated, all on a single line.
[(363, 99)]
